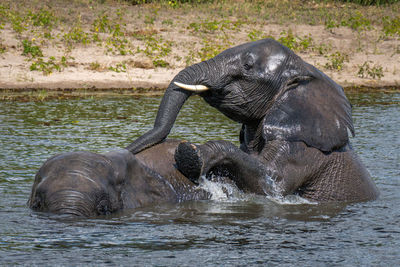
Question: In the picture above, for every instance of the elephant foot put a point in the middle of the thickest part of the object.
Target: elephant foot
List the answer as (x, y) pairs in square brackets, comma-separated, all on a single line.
[(189, 161)]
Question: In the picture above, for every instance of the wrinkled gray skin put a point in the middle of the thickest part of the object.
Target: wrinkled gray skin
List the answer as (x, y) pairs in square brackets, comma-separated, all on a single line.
[(295, 123), (88, 184)]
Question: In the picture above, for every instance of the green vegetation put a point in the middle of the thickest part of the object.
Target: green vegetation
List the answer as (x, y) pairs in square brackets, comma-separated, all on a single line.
[(368, 71), (95, 66), (371, 2), (255, 35), (155, 47), (160, 30), (3, 49), (30, 49), (76, 35), (336, 61), (356, 21), (43, 18), (35, 55), (294, 42), (211, 26), (49, 66), (120, 67), (391, 26)]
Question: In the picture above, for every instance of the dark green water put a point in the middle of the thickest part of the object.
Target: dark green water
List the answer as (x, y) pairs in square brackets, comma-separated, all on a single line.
[(223, 232)]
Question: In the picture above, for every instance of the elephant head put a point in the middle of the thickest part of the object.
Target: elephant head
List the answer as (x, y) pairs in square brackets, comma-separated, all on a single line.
[(267, 88), (89, 184), (76, 183)]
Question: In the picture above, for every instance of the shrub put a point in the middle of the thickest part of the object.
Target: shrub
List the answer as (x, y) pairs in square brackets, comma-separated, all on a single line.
[(336, 61), (30, 49), (371, 2), (367, 71), (391, 26)]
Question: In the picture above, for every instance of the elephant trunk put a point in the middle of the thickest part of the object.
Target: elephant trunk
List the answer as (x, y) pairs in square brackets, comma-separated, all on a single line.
[(172, 102), (71, 202), (66, 202)]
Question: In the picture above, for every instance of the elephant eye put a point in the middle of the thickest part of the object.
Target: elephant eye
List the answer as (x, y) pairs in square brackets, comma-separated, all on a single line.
[(247, 66), (248, 62)]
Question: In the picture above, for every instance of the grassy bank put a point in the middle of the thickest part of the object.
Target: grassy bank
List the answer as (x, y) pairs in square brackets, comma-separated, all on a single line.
[(117, 37)]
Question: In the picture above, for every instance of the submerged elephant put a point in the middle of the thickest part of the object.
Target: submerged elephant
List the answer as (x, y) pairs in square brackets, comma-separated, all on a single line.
[(295, 123), (89, 184)]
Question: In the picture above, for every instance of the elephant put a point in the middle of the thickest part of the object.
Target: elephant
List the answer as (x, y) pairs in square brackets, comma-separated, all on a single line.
[(87, 184), (295, 130)]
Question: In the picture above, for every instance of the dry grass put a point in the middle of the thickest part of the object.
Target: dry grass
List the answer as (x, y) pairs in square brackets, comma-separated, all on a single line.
[(163, 35)]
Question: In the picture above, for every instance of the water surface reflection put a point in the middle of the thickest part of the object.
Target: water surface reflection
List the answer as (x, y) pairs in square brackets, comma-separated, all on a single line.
[(247, 230)]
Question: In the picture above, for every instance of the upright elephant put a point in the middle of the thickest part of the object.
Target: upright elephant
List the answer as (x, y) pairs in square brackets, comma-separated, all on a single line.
[(295, 124)]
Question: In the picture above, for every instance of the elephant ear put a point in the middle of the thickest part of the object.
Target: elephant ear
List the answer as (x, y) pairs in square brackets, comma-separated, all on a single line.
[(314, 110)]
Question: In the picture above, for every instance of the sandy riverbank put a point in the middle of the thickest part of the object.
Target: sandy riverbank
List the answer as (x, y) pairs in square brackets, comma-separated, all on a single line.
[(126, 46)]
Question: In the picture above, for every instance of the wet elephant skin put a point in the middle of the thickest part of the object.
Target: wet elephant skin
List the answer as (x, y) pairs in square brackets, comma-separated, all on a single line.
[(295, 125), (89, 184)]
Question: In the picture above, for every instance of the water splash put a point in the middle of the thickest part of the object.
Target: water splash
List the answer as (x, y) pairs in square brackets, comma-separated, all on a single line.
[(220, 189), (291, 200)]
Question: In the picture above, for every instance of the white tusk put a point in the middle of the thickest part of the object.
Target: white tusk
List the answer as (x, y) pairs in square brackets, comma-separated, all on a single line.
[(194, 88)]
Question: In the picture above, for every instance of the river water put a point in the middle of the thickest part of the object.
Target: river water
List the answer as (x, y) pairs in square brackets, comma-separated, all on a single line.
[(234, 231)]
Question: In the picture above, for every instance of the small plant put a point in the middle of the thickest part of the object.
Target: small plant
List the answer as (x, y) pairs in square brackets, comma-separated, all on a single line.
[(391, 26), (30, 49), (211, 26), (120, 67), (322, 49), (357, 22), (160, 63), (95, 66), (367, 71), (156, 49), (210, 49), (305, 43), (288, 39), (173, 3), (3, 12), (3, 48), (49, 66), (294, 42), (42, 95), (190, 58), (149, 19), (118, 45), (43, 18), (336, 61), (331, 23), (76, 35), (255, 35), (167, 22), (103, 24), (372, 2), (17, 22)]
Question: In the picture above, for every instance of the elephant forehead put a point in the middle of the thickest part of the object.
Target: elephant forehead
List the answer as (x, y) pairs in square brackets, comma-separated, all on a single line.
[(274, 61), (77, 167)]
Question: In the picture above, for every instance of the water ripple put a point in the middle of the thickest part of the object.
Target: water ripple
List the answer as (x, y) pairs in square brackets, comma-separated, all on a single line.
[(233, 229)]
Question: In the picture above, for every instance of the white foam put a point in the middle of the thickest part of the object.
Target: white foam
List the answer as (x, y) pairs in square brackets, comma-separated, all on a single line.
[(290, 200), (220, 191), (227, 192)]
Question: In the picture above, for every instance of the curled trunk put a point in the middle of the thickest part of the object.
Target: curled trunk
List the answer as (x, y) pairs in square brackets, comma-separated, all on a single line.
[(172, 102)]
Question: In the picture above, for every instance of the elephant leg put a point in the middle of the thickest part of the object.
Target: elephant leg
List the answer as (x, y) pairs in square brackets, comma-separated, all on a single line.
[(222, 157)]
